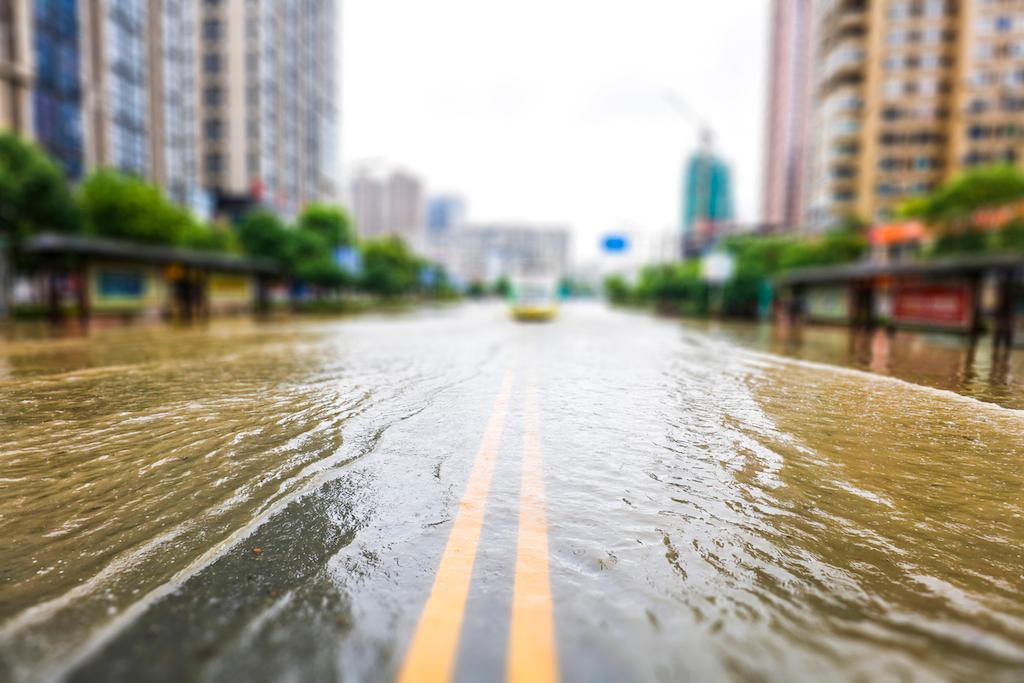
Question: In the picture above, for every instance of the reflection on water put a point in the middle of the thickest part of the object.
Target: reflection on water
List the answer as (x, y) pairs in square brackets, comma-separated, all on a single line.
[(130, 454), (765, 518), (270, 502), (941, 360)]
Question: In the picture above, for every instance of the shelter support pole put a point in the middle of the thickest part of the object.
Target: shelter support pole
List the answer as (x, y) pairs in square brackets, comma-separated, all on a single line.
[(1006, 308), (83, 292), (52, 290), (262, 294), (974, 322)]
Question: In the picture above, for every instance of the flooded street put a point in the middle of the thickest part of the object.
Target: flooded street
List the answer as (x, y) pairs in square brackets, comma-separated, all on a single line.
[(274, 501)]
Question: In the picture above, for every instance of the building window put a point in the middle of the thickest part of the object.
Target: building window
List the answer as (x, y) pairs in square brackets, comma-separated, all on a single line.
[(211, 63), (213, 129), (214, 163), (211, 29)]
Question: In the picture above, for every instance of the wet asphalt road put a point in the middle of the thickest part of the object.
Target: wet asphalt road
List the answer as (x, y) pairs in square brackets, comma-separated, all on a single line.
[(447, 493)]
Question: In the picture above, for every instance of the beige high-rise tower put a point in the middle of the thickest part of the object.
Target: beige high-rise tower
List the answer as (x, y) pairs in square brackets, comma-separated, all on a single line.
[(907, 94), (268, 105), (16, 66)]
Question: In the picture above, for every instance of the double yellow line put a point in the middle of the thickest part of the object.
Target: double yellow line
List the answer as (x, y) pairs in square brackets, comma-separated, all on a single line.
[(531, 648)]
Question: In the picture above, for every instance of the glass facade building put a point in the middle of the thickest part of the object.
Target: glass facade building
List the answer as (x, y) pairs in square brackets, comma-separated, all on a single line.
[(57, 95), (226, 100), (707, 191)]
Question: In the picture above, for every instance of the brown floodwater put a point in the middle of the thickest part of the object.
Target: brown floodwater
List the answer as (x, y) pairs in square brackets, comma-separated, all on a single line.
[(269, 501)]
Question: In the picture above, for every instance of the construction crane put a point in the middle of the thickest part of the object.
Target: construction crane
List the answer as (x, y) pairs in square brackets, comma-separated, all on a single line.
[(705, 135)]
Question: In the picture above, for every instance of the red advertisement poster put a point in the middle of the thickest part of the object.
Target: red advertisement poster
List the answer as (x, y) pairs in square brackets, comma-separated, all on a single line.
[(939, 305)]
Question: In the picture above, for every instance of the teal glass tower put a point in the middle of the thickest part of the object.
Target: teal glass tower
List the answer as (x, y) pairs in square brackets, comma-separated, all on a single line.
[(707, 191)]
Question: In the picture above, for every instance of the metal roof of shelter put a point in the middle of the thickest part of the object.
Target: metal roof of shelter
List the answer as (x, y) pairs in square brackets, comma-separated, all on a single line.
[(54, 244), (966, 266)]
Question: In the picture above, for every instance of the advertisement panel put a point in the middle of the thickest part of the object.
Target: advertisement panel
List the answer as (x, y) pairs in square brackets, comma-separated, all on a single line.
[(229, 291), (124, 288), (938, 305), (828, 304)]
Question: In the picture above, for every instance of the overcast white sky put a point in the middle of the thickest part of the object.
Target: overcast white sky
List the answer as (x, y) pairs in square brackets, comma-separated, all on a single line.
[(554, 110)]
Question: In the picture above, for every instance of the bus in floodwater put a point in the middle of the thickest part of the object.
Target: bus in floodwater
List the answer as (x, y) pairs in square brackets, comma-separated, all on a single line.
[(534, 299)]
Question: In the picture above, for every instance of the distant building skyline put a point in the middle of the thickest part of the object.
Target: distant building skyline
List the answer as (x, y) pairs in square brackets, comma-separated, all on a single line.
[(488, 251), (445, 213), (388, 203), (406, 205)]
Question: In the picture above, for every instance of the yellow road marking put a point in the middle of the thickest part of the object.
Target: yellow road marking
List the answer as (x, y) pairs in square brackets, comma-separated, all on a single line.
[(532, 656), (431, 657)]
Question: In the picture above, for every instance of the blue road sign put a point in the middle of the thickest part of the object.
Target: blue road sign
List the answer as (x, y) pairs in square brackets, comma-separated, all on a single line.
[(349, 259), (615, 243)]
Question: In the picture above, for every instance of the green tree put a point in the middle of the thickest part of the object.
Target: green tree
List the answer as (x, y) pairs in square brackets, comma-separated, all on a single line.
[(389, 268), (674, 286), (331, 223), (617, 289), (834, 248), (438, 286), (261, 233), (502, 287), (1011, 237), (34, 194), (120, 206), (210, 237), (952, 205), (757, 259), (961, 242), (309, 259)]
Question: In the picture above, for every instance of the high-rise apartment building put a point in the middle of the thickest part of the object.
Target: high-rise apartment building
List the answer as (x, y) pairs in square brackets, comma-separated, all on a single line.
[(104, 83), (908, 93), (368, 199), (988, 111), (40, 76), (173, 92), (268, 105), (117, 85), (237, 97), (789, 98), (406, 205), (16, 66)]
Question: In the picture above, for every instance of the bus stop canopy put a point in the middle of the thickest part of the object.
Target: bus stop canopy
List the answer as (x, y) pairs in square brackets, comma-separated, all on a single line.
[(55, 244)]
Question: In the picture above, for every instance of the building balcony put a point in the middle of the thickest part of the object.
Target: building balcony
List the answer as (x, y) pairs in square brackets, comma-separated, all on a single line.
[(844, 15)]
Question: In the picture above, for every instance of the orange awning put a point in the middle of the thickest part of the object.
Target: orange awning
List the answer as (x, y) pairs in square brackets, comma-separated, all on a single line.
[(897, 233)]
